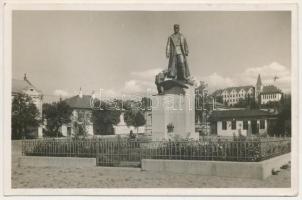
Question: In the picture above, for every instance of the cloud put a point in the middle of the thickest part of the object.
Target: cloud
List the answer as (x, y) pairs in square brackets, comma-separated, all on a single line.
[(249, 77), (267, 73), (141, 83), (135, 86), (148, 74), (108, 93), (216, 81), (60, 92), (132, 86)]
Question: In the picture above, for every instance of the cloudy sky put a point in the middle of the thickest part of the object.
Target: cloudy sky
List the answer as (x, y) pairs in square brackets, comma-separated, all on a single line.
[(121, 52)]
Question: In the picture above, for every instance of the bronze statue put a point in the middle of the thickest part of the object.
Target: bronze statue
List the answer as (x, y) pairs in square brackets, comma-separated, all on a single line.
[(176, 51), (159, 78)]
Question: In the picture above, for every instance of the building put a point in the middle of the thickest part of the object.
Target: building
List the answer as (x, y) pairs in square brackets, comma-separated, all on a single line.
[(81, 118), (241, 121), (270, 93), (260, 93), (232, 95), (26, 87)]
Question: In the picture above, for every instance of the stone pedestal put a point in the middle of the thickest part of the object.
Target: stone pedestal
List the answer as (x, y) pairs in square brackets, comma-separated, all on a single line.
[(176, 106)]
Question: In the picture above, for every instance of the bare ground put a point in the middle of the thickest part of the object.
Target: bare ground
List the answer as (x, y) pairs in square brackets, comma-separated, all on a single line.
[(102, 177)]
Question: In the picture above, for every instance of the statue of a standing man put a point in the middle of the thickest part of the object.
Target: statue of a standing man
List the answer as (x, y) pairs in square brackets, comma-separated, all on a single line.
[(176, 51)]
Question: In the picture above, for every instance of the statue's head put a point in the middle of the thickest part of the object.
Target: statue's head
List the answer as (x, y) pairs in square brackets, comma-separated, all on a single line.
[(176, 28)]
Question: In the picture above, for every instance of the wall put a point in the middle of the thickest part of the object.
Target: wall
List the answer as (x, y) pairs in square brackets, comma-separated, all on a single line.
[(252, 170), (239, 125), (265, 98), (41, 161)]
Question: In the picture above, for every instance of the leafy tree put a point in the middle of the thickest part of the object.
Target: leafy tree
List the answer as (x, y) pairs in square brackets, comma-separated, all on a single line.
[(219, 99), (201, 101), (248, 102), (283, 125), (25, 116), (104, 119), (135, 118), (56, 114), (146, 104)]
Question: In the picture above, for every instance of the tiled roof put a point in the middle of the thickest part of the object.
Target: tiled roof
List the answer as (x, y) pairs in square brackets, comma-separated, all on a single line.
[(78, 102), (270, 89), (229, 89), (19, 86), (230, 114)]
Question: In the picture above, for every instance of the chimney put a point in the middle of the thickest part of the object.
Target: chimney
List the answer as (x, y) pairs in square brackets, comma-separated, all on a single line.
[(80, 93)]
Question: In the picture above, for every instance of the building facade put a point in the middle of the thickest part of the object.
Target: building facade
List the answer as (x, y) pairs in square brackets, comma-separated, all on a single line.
[(26, 87), (232, 95), (260, 93), (270, 93), (81, 117), (241, 122)]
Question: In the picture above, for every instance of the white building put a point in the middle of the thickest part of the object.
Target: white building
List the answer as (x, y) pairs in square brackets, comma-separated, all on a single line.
[(26, 87), (260, 93), (245, 122), (270, 93), (233, 95), (81, 118)]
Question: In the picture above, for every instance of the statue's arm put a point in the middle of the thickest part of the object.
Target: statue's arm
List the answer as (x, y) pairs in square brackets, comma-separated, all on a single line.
[(168, 48), (186, 47)]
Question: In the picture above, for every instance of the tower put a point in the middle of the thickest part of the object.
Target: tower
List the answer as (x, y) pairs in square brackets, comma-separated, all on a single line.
[(258, 89)]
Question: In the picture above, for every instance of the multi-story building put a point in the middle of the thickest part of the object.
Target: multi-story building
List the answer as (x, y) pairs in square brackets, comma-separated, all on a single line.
[(260, 93), (81, 117), (26, 87), (233, 95)]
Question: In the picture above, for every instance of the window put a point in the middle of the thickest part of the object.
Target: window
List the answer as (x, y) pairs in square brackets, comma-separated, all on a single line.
[(245, 125), (233, 124), (224, 125), (262, 124)]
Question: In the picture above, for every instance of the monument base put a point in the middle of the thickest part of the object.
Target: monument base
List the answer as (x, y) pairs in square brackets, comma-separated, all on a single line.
[(173, 114)]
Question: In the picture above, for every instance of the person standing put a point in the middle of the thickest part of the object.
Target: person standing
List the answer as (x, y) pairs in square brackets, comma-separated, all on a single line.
[(176, 51)]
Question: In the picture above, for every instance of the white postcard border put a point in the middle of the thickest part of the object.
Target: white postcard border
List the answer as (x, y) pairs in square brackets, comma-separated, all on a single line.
[(9, 7)]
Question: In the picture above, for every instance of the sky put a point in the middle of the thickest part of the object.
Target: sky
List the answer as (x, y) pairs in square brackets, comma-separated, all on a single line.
[(121, 51)]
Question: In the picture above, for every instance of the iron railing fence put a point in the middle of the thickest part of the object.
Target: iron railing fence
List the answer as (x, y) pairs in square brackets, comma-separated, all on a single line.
[(63, 147), (118, 154), (125, 152)]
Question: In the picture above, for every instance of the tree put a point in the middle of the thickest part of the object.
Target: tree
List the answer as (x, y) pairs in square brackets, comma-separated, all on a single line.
[(146, 104), (283, 125), (25, 116), (135, 118), (104, 119), (219, 99), (56, 114), (201, 101)]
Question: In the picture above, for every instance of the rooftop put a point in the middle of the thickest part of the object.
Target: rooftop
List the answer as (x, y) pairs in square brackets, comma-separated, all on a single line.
[(19, 86), (243, 113), (270, 89), (229, 89)]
